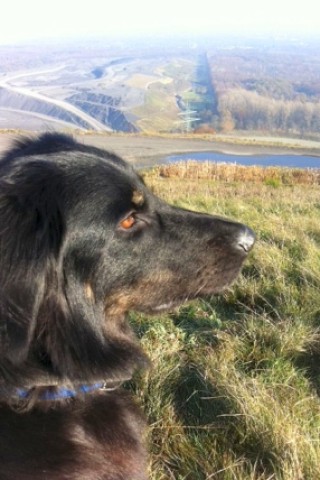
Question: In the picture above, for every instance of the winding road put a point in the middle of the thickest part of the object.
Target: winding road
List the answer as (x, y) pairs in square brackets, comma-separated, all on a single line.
[(5, 83)]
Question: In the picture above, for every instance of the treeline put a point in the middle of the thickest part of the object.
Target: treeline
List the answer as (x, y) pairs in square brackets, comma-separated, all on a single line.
[(241, 109)]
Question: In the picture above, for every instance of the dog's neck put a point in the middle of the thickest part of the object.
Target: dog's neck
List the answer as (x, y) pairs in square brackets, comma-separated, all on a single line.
[(54, 392), (59, 393)]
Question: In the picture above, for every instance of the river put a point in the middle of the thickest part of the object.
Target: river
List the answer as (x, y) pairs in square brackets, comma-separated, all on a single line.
[(291, 161)]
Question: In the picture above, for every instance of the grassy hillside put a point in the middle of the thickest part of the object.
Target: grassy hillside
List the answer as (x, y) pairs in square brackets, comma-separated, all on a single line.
[(233, 392)]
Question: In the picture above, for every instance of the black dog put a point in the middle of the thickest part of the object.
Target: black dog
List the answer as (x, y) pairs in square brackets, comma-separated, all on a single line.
[(82, 242)]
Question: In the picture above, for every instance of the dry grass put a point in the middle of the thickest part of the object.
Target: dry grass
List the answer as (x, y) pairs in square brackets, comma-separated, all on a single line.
[(227, 172), (234, 389)]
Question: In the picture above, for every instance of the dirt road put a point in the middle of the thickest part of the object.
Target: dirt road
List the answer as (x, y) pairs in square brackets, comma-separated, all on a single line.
[(144, 151), (5, 82)]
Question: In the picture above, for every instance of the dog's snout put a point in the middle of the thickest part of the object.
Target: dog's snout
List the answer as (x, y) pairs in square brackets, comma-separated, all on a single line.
[(246, 239), (232, 234)]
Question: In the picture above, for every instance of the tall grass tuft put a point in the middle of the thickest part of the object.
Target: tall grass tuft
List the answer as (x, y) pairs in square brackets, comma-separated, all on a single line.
[(233, 391)]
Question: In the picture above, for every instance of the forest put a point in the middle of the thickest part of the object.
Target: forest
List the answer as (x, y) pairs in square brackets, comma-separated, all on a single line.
[(267, 89)]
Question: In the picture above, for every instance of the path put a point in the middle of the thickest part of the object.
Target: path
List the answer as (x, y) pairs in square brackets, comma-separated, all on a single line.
[(92, 122)]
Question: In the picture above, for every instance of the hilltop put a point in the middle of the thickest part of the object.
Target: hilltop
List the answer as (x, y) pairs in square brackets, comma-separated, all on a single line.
[(234, 391)]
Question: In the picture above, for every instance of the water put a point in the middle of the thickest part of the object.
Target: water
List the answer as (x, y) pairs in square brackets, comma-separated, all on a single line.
[(292, 161)]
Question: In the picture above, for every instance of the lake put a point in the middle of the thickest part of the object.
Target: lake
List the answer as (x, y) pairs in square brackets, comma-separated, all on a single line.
[(292, 161)]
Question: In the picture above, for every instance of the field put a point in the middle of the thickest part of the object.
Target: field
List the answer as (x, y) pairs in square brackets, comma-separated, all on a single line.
[(233, 391)]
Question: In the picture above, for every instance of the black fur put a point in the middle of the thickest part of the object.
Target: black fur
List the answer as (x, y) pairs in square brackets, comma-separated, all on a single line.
[(70, 272)]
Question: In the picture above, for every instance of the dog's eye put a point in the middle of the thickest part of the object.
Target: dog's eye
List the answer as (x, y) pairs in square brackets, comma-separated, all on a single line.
[(128, 222), (134, 222)]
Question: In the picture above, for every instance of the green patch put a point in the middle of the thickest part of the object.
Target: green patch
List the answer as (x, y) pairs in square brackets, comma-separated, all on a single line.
[(273, 182)]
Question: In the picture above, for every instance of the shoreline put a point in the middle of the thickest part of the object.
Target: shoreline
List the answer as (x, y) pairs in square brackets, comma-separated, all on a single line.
[(143, 150)]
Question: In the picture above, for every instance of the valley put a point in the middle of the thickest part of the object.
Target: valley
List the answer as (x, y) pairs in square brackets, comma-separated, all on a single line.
[(208, 85)]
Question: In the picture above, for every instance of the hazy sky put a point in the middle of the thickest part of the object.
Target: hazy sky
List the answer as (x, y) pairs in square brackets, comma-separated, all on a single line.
[(29, 19)]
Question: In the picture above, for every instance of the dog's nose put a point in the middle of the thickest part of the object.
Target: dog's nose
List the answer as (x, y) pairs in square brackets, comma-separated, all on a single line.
[(246, 239)]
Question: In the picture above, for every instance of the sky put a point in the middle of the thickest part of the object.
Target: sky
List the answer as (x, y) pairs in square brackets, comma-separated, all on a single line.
[(38, 19)]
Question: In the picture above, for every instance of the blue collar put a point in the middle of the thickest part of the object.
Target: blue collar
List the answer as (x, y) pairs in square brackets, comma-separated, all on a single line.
[(62, 392)]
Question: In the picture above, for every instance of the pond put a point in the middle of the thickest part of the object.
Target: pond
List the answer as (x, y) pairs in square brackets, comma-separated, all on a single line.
[(291, 161)]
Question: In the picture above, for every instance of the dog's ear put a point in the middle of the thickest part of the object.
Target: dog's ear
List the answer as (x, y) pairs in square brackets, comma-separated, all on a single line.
[(80, 341), (31, 230), (76, 336)]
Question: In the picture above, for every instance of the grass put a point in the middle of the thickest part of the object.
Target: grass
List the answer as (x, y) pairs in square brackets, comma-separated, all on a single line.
[(159, 111), (233, 391), (228, 173)]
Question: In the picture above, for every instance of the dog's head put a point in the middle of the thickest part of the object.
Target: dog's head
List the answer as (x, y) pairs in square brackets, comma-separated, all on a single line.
[(83, 241)]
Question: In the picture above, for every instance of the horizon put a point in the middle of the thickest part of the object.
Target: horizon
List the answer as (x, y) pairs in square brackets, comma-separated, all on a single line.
[(72, 21)]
